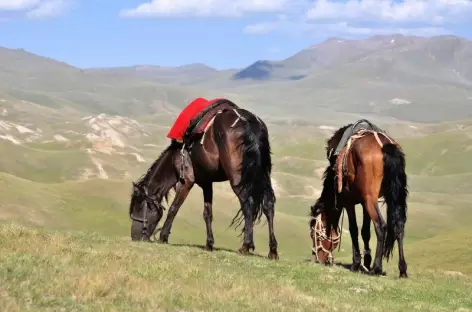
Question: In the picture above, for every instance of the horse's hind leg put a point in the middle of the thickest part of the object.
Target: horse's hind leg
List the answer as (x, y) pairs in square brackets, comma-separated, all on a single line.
[(402, 266), (180, 196), (269, 211), (354, 231), (371, 206), (365, 232), (248, 242), (208, 214)]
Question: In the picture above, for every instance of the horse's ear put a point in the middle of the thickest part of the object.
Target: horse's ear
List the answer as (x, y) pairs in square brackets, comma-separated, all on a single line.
[(317, 208)]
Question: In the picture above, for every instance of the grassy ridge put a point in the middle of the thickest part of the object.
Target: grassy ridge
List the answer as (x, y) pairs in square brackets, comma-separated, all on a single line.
[(83, 272)]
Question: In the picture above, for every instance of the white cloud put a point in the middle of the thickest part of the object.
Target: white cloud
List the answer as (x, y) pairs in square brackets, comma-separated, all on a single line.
[(205, 8), (17, 5), (48, 9), (36, 9), (337, 29), (425, 11), (370, 17)]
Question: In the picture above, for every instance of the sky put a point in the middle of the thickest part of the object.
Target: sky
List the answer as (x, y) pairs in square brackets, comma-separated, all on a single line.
[(220, 33)]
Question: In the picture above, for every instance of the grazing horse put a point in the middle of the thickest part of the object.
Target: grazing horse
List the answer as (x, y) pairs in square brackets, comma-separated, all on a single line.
[(234, 147), (372, 165)]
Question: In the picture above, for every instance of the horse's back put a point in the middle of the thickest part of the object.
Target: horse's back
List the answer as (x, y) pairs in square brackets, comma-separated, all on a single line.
[(365, 164)]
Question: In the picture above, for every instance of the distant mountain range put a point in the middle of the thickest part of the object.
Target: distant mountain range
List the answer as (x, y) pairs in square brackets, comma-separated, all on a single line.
[(395, 76)]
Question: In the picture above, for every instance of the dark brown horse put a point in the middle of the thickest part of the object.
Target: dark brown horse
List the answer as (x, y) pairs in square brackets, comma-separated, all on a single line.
[(372, 166), (235, 147)]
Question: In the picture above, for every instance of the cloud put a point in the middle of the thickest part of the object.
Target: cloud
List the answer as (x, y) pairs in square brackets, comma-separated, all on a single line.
[(17, 5), (337, 29), (425, 11), (36, 9), (370, 17), (206, 8), (48, 9)]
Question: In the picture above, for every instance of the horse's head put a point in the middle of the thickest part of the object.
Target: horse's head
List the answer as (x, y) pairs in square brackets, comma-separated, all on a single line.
[(323, 243), (146, 207), (145, 211)]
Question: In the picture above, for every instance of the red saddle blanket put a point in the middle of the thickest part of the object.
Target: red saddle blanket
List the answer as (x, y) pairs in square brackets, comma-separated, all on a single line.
[(188, 113)]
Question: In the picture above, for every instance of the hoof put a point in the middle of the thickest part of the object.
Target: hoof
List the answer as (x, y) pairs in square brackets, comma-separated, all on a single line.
[(355, 267), (208, 248), (403, 275), (162, 241), (273, 255), (377, 272), (329, 262), (244, 251)]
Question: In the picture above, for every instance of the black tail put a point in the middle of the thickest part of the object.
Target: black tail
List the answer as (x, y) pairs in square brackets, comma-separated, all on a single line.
[(395, 189), (255, 185)]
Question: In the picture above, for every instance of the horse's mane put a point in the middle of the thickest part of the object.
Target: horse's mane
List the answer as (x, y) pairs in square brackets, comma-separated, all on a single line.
[(165, 184), (333, 142), (325, 203), (326, 198)]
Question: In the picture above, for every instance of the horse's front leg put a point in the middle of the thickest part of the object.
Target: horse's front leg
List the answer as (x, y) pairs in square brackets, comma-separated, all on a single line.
[(354, 231), (180, 196), (208, 214)]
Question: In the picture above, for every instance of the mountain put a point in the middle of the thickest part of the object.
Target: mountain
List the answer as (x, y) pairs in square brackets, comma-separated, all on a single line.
[(408, 78), (183, 75), (29, 77), (391, 77), (446, 51)]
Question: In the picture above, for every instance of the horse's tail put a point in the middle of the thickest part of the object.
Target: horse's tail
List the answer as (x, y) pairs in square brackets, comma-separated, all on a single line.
[(395, 190), (256, 167)]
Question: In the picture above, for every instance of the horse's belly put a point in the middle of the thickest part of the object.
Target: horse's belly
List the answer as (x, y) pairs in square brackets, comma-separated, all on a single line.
[(217, 175)]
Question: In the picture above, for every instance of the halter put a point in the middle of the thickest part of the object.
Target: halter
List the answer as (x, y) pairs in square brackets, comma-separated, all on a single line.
[(148, 203), (320, 235)]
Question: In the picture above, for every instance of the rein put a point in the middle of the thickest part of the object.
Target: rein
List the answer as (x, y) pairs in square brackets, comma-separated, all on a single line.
[(150, 202)]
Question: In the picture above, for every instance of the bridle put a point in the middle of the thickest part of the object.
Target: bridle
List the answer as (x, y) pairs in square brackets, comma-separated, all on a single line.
[(149, 202), (319, 235)]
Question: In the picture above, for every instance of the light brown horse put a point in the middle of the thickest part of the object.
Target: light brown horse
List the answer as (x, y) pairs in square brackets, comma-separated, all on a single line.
[(372, 166), (235, 147)]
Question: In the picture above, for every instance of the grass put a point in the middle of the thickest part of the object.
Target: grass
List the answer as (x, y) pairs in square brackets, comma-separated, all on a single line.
[(42, 165), (45, 271)]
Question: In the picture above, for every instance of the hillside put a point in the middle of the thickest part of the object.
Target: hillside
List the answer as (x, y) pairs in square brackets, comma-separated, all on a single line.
[(190, 74), (421, 57), (81, 271), (385, 78), (408, 78), (28, 77)]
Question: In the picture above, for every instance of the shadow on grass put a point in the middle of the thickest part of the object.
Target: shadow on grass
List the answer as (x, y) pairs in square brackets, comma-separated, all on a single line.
[(202, 247), (346, 266)]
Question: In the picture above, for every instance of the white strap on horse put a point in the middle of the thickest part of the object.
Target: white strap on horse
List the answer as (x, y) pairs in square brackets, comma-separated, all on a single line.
[(237, 119), (210, 123)]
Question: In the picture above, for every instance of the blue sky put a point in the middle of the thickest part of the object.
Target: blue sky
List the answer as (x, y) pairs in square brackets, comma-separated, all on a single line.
[(219, 33)]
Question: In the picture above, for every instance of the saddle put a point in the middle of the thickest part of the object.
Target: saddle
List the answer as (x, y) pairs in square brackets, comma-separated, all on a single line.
[(197, 128), (341, 160), (200, 123), (355, 127)]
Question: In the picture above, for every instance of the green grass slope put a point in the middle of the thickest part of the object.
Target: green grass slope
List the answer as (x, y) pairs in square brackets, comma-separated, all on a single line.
[(46, 271)]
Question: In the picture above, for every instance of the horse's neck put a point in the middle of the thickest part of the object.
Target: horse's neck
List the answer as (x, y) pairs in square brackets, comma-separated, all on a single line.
[(161, 175)]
